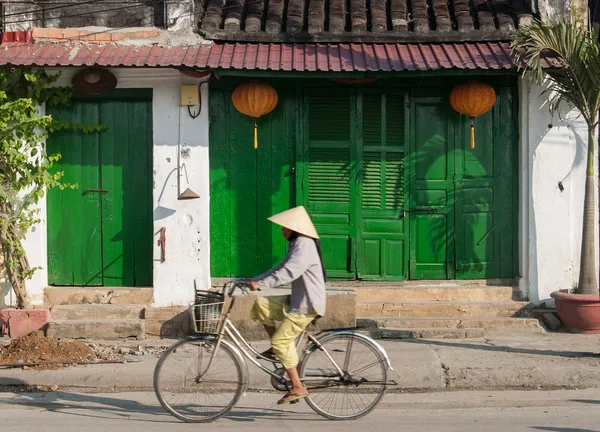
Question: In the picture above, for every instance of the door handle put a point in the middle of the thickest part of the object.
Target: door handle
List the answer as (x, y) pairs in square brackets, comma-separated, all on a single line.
[(422, 210), (96, 190)]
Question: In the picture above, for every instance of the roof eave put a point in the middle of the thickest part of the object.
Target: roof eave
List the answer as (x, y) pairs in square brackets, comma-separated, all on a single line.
[(359, 38)]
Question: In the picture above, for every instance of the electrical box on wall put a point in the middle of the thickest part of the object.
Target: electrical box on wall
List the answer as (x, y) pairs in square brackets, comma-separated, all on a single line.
[(189, 95)]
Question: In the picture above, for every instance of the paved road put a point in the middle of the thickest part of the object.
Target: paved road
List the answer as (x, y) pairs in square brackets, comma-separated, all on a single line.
[(514, 411)]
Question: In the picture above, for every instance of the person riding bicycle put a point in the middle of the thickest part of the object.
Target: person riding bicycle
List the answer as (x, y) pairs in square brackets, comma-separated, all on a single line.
[(303, 267)]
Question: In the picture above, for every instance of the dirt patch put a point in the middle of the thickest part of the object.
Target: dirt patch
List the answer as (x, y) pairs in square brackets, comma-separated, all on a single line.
[(38, 348)]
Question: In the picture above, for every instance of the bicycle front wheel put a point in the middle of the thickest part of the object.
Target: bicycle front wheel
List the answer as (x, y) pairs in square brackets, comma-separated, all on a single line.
[(355, 393), (192, 387)]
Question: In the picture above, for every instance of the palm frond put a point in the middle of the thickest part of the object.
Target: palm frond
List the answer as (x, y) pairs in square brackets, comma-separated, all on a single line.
[(578, 81)]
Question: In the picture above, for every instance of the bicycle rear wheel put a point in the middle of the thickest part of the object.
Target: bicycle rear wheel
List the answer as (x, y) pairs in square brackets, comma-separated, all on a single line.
[(358, 391), (192, 388)]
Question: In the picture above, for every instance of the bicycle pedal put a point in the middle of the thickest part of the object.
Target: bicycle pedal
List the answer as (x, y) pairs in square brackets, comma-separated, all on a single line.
[(294, 401)]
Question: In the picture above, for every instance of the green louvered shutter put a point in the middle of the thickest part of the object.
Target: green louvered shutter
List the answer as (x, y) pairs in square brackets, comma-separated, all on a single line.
[(329, 193), (382, 245)]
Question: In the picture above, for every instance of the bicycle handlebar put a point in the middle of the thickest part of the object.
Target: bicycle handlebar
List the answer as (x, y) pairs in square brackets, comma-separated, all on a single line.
[(241, 284)]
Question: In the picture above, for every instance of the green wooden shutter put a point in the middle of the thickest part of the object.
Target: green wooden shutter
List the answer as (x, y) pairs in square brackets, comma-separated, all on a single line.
[(328, 188), (382, 252), (432, 189)]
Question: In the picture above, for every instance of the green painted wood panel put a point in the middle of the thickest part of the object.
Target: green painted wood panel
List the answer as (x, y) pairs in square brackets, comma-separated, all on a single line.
[(125, 149), (485, 189), (387, 174), (115, 236), (432, 195), (74, 216), (330, 192), (463, 206), (249, 185), (383, 241)]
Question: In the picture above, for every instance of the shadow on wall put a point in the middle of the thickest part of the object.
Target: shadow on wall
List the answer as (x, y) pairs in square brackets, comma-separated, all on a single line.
[(562, 119)]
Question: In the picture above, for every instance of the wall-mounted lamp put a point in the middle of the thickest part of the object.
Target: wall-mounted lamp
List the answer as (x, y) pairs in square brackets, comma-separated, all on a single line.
[(188, 194)]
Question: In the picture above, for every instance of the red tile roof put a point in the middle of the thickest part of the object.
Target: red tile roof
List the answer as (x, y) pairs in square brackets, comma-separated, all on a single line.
[(362, 21), (273, 57), (18, 36)]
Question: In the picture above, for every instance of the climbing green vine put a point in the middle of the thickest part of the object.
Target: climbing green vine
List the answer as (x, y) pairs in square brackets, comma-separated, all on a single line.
[(26, 172)]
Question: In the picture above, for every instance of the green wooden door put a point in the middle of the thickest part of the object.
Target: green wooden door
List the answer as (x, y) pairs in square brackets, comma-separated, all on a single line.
[(432, 190), (249, 185), (387, 174), (328, 169), (486, 182), (100, 234), (463, 200), (383, 244), (352, 166)]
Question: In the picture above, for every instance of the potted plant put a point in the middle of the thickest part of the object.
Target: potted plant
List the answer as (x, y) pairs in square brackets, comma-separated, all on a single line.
[(576, 82)]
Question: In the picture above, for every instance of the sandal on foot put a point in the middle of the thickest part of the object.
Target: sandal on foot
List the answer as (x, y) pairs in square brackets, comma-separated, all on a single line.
[(291, 398)]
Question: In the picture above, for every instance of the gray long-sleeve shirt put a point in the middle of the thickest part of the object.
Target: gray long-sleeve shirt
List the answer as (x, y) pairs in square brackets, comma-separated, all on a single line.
[(302, 267)]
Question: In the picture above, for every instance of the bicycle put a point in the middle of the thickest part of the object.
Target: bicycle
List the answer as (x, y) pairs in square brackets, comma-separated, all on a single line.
[(220, 349)]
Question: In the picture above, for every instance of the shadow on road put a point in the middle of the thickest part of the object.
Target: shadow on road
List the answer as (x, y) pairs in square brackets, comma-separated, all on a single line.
[(508, 349), (561, 429), (586, 401), (106, 407)]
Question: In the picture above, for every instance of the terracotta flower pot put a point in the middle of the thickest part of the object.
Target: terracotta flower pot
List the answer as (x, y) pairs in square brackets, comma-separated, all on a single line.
[(579, 312)]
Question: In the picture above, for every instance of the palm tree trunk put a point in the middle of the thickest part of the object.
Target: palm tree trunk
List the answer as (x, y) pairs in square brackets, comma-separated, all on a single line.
[(588, 280)]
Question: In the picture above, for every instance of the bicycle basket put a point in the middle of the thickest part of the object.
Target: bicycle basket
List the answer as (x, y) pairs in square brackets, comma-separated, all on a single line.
[(206, 311)]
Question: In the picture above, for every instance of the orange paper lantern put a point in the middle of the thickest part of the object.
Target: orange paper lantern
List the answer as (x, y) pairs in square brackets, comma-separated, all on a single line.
[(473, 99), (255, 99)]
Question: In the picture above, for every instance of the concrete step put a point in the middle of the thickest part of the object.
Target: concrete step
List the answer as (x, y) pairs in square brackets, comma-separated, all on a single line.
[(421, 293), (97, 329), (433, 309), (54, 296), (97, 312), (358, 284), (497, 325), (425, 333)]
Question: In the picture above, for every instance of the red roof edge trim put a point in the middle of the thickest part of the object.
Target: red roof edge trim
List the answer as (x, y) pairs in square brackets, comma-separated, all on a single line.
[(17, 36)]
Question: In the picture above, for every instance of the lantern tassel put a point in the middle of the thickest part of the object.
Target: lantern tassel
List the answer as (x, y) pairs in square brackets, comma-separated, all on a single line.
[(255, 135), (472, 133)]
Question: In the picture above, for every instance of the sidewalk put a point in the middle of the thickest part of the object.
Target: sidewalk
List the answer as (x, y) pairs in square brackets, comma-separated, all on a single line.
[(547, 361)]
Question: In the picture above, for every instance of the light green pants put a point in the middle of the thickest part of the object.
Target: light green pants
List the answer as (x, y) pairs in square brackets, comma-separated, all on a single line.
[(269, 311)]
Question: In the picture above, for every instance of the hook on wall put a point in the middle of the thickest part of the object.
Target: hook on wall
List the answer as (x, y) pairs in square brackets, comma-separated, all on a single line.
[(187, 194)]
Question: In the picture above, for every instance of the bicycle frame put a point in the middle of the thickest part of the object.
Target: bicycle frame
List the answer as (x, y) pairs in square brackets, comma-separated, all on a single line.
[(227, 329)]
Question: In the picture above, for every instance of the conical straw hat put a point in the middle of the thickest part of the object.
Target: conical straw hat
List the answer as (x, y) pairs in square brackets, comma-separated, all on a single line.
[(296, 219)]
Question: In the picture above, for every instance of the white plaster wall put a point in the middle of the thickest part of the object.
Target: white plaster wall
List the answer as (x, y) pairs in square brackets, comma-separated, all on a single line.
[(551, 219), (186, 222)]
